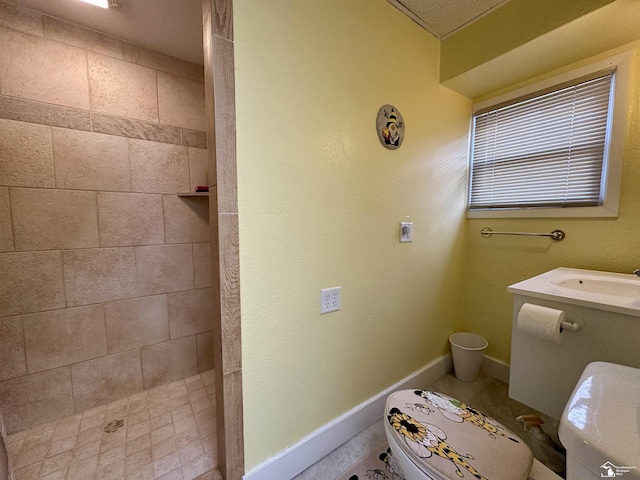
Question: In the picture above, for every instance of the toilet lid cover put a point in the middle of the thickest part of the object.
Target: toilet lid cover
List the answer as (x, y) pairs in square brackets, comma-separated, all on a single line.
[(453, 440)]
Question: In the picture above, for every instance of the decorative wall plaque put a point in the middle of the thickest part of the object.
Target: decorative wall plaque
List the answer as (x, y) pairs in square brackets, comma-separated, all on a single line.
[(390, 127)]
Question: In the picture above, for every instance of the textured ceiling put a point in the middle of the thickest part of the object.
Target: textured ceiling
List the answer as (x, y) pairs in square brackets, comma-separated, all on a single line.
[(442, 17), (173, 27)]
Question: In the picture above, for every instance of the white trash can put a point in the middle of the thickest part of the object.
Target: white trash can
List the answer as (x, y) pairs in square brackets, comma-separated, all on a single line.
[(467, 350)]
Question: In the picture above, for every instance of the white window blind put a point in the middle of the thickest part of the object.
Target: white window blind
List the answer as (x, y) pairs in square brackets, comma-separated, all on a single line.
[(544, 150)]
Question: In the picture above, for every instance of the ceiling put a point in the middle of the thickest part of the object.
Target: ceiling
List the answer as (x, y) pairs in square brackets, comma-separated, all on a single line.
[(174, 27), (443, 17)]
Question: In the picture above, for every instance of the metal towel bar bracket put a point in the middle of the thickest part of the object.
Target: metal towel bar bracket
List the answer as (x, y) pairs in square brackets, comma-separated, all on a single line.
[(555, 235)]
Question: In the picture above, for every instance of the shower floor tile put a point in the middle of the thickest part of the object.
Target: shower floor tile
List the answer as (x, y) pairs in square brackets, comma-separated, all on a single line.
[(164, 433)]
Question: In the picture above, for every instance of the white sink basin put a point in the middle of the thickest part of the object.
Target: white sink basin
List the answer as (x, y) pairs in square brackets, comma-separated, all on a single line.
[(618, 287), (615, 292)]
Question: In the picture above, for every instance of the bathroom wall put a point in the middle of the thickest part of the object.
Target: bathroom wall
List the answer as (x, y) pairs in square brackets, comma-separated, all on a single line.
[(491, 265), (320, 201), (105, 283)]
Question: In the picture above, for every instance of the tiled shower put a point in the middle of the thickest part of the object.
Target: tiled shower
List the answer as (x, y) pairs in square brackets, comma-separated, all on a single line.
[(105, 287)]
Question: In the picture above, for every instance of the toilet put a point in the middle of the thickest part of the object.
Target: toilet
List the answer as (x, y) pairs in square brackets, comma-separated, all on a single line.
[(433, 436)]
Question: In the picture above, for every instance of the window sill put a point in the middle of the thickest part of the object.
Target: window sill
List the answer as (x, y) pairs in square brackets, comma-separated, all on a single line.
[(602, 211)]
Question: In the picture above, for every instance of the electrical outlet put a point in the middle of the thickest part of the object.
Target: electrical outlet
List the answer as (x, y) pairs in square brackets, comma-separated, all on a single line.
[(329, 299)]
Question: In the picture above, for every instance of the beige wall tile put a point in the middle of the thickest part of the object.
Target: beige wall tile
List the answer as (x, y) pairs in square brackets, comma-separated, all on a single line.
[(181, 102), (126, 127), (164, 268), (186, 219), (35, 399), (40, 69), (190, 312), (99, 275), (46, 219), (44, 114), (25, 155), (205, 351), (6, 230), (26, 21), (81, 37), (136, 322), (122, 88), (130, 219), (233, 426), (198, 167), (62, 337), (230, 292), (90, 161), (12, 358), (160, 61), (194, 138), (169, 361), (158, 167), (202, 264), (34, 282), (106, 379)]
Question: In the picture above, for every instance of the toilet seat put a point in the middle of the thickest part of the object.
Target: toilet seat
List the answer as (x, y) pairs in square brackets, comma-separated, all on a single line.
[(449, 440)]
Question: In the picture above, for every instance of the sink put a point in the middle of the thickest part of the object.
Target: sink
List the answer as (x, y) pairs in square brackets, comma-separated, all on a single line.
[(619, 287), (614, 292)]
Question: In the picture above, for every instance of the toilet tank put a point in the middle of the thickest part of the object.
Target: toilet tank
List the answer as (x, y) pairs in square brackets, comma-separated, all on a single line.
[(543, 373), (600, 426)]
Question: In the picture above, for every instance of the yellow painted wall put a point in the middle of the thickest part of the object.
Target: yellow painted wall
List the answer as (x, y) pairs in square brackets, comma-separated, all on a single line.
[(492, 264), (511, 25), (319, 205)]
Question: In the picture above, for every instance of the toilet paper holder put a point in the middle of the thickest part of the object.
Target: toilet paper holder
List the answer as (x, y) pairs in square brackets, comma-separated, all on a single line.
[(574, 327)]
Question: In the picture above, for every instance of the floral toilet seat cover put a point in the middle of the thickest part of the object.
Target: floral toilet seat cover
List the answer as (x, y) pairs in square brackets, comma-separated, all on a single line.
[(453, 440)]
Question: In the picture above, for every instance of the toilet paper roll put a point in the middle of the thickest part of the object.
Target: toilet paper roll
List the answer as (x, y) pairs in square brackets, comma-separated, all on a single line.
[(541, 322)]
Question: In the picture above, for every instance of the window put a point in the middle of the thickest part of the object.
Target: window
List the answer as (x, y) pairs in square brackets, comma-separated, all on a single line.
[(548, 151)]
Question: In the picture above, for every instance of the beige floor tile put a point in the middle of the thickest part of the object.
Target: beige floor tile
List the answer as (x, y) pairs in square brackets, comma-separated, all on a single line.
[(56, 462), (139, 459), (162, 433), (166, 464), (164, 448), (83, 469), (140, 443), (28, 473)]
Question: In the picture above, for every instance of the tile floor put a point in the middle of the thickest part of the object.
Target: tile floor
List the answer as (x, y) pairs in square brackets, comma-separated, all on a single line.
[(164, 433), (359, 457), (169, 433)]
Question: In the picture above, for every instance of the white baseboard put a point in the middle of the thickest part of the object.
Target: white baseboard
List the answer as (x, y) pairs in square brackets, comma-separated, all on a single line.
[(330, 436), (496, 369)]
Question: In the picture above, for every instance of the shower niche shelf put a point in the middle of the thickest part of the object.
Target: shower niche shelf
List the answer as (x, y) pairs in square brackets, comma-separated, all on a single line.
[(193, 194)]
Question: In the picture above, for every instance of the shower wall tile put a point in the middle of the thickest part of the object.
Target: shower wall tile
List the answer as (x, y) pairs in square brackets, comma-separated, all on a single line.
[(42, 113), (225, 126), (36, 282), (186, 219), (106, 379), (202, 264), (198, 167), (62, 337), (169, 361), (25, 155), (194, 138), (190, 312), (40, 69), (90, 161), (6, 229), (136, 322), (130, 219), (164, 268), (205, 351), (35, 399), (122, 88), (230, 292), (158, 167), (19, 18), (12, 356), (99, 275), (181, 102), (81, 37), (45, 219), (160, 61), (125, 127)]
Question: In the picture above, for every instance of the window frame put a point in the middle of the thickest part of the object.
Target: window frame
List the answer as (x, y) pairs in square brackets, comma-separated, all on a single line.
[(613, 157)]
